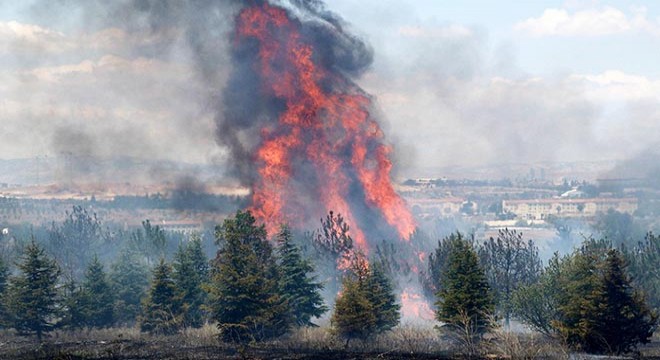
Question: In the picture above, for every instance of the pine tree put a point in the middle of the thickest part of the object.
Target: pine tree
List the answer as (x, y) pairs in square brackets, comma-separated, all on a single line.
[(297, 285), (588, 298), (93, 304), (72, 316), (161, 308), (74, 240), (353, 317), (333, 245), (622, 318), (380, 293), (190, 275), (244, 293), (333, 237), (4, 275), (149, 241), (367, 303), (438, 262), (130, 279), (32, 300), (644, 259), (465, 303), (509, 262), (577, 299)]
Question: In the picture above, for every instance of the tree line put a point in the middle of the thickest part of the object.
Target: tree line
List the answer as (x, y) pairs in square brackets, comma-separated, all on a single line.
[(587, 299), (255, 289), (252, 290)]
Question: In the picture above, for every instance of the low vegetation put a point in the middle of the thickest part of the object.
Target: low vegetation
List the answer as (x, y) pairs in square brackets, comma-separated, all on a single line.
[(261, 299)]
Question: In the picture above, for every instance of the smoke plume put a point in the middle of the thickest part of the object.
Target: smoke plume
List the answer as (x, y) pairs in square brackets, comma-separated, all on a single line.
[(301, 132)]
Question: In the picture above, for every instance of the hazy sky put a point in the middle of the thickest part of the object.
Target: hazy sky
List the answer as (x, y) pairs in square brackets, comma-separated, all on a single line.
[(470, 82)]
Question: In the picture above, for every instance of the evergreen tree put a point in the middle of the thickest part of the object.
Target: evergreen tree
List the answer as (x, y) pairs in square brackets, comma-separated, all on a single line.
[(438, 261), (367, 303), (161, 308), (622, 318), (72, 316), (297, 285), (588, 298), (333, 245), (333, 237), (4, 275), (190, 275), (244, 293), (93, 303), (644, 259), (150, 241), (353, 317), (618, 228), (465, 303), (32, 299), (130, 279), (74, 241), (577, 305), (380, 293)]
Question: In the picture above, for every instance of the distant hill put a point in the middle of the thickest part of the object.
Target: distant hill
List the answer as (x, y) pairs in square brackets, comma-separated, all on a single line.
[(85, 170)]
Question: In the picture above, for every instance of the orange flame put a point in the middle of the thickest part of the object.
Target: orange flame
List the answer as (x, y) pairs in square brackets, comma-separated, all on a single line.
[(318, 126), (414, 306)]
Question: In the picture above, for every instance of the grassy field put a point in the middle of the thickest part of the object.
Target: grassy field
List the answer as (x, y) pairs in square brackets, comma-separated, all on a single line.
[(404, 342)]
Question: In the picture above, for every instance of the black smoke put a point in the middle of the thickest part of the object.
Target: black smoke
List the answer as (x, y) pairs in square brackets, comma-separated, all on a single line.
[(242, 113)]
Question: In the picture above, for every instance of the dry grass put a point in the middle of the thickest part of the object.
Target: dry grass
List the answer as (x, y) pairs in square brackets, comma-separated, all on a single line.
[(525, 346), (412, 341), (119, 343), (404, 339)]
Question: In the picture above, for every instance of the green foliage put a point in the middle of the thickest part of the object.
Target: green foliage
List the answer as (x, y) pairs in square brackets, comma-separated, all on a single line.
[(333, 238), (161, 307), (367, 303), (129, 279), (537, 304), (619, 228), (509, 262), (93, 304), (438, 261), (644, 259), (576, 299), (465, 300), (622, 317), (588, 300), (32, 299), (332, 244), (4, 276), (397, 259), (380, 293), (297, 285), (354, 314), (74, 240), (244, 293), (149, 241), (191, 273)]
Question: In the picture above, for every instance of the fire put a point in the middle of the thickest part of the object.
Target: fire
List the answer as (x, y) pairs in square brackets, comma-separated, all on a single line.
[(413, 306), (325, 149)]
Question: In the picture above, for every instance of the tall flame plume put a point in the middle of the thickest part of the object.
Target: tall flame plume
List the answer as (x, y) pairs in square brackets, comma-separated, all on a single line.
[(323, 150)]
